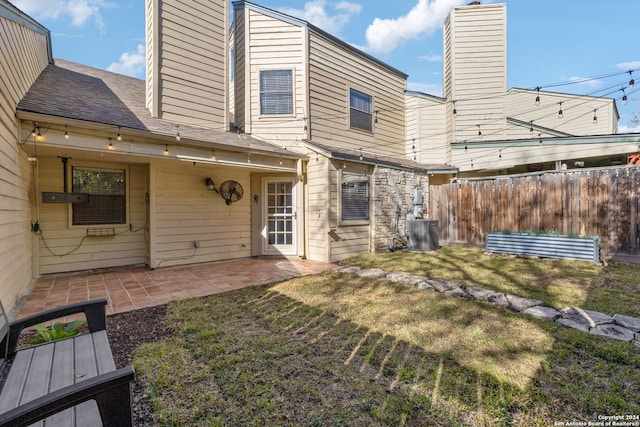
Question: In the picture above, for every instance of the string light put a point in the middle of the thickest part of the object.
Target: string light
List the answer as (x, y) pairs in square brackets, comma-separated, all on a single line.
[(248, 157), (34, 130), (375, 120), (119, 136), (624, 97), (178, 133), (213, 154), (500, 155), (66, 132), (531, 128), (595, 117), (280, 160), (465, 147), (631, 82), (455, 112), (166, 149), (560, 115), (361, 158), (110, 146), (479, 131), (537, 102)]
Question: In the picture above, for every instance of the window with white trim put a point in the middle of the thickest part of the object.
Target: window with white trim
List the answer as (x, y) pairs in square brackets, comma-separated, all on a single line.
[(354, 195), (276, 92), (360, 110), (107, 196)]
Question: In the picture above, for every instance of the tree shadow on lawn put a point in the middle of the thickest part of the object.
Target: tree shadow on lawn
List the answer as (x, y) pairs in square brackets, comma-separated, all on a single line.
[(264, 356), (559, 283)]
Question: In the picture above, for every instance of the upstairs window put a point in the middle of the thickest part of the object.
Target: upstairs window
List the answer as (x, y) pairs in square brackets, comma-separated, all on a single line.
[(276, 92), (107, 196), (361, 110), (354, 197)]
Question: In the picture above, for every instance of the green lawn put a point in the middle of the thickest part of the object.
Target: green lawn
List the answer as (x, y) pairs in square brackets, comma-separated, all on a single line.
[(336, 349)]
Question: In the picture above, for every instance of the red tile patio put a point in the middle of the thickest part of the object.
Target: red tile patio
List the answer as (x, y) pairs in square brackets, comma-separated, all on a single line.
[(128, 289)]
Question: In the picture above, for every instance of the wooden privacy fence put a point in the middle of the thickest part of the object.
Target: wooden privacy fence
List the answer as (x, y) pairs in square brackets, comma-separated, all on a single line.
[(603, 202)]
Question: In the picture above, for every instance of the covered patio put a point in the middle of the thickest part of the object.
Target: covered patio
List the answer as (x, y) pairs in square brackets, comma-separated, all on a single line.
[(131, 288)]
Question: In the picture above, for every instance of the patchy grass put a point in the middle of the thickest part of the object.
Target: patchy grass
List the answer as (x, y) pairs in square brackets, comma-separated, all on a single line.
[(559, 283), (336, 349)]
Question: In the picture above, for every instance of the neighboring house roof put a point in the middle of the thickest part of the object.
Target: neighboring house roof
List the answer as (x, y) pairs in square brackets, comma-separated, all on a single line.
[(427, 96), (534, 92), (68, 90), (301, 23), (12, 13), (357, 156), (536, 128)]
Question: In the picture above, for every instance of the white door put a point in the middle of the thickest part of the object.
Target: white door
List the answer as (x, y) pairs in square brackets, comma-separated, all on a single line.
[(279, 228)]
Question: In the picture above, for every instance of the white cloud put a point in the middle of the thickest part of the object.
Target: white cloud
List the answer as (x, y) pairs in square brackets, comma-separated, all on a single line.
[(430, 58), (629, 129), (586, 81), (80, 11), (131, 63), (629, 65), (429, 88), (315, 12), (384, 35)]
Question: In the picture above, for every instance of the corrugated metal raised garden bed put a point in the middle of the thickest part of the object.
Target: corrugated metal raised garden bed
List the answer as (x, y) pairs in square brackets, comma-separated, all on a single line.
[(545, 245)]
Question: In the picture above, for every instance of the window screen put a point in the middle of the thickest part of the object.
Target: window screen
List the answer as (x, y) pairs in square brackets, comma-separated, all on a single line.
[(107, 197), (361, 109), (355, 197), (276, 92)]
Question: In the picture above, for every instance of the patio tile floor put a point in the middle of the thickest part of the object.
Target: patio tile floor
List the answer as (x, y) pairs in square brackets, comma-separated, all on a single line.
[(130, 288)]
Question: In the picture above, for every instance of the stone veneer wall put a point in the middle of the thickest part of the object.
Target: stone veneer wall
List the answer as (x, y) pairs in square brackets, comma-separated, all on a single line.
[(391, 186)]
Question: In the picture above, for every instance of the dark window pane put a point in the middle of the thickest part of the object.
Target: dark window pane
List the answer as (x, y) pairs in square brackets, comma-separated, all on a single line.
[(107, 199)]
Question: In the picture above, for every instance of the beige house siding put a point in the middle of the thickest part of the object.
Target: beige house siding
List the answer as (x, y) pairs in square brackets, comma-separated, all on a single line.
[(24, 53), (274, 45), (186, 211), (65, 247), (475, 70), (332, 72), (187, 55), (426, 130), (318, 208), (578, 112), (347, 240)]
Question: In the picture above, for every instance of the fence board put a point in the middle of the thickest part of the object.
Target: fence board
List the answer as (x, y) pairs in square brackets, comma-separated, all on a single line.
[(595, 202)]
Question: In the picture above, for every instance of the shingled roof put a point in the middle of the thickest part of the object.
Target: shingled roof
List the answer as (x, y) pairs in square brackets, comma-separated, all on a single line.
[(68, 90)]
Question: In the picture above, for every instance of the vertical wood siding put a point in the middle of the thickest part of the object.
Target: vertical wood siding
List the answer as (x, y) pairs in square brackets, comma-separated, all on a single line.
[(192, 61), (598, 202), (63, 247), (332, 72), (23, 55)]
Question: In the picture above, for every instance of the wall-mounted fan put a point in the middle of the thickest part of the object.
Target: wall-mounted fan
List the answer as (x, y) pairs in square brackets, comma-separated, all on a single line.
[(231, 191)]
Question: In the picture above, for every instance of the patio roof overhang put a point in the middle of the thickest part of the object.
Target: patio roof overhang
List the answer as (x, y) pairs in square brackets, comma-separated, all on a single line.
[(362, 157)]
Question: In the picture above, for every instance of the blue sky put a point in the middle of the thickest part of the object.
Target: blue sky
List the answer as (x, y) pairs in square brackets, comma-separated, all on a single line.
[(590, 42)]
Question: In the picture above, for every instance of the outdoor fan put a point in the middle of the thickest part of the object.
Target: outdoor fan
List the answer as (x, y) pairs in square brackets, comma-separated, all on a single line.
[(231, 191)]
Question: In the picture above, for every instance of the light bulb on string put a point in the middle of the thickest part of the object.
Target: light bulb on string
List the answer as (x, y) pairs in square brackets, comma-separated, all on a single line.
[(455, 112), (178, 133), (595, 117), (66, 132), (531, 128), (479, 131), (560, 114), (537, 102), (166, 150), (110, 146), (632, 82), (119, 135)]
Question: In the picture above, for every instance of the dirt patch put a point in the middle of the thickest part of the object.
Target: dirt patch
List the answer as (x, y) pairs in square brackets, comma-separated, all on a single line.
[(126, 332)]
